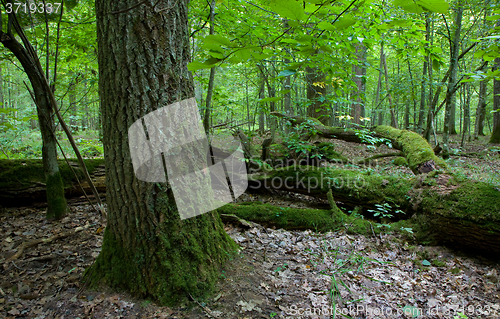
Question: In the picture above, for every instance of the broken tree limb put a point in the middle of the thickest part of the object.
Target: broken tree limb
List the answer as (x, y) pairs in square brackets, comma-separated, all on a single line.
[(341, 133), (418, 152)]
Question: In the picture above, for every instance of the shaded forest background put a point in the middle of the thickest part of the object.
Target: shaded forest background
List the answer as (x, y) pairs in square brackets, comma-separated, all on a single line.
[(353, 64)]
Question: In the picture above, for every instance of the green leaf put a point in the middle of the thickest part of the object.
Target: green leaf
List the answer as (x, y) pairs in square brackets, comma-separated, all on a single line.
[(243, 54), (270, 99), (408, 6), (439, 6), (492, 18), (425, 262), (291, 9), (326, 48), (305, 39), (291, 41), (217, 39), (345, 22), (208, 64), (286, 73), (436, 65), (326, 26), (216, 54), (420, 6)]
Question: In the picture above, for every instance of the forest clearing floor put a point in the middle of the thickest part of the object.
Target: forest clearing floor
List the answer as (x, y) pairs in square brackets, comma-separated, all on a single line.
[(277, 274)]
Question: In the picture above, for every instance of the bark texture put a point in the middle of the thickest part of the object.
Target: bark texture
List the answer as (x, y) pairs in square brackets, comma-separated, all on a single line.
[(147, 249)]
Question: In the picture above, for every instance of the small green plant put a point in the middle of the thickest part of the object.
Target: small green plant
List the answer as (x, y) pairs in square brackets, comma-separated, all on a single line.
[(273, 314), (385, 210), (356, 212), (460, 315), (366, 137), (280, 268), (407, 229)]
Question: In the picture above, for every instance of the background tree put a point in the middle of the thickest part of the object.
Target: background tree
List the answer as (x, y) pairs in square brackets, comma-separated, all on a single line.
[(46, 105)]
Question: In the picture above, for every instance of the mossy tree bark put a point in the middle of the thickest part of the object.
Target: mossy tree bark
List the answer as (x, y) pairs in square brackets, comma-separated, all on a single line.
[(147, 249), (46, 105)]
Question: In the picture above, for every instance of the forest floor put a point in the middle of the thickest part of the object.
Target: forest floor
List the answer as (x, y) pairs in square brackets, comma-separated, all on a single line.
[(277, 273)]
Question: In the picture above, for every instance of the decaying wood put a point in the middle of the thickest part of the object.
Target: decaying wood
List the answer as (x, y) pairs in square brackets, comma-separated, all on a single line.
[(402, 140)]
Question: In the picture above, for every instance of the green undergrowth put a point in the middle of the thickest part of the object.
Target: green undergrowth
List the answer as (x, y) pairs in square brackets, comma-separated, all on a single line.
[(20, 173)]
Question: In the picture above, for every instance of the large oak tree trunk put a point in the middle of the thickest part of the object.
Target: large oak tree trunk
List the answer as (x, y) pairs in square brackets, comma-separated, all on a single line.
[(147, 249)]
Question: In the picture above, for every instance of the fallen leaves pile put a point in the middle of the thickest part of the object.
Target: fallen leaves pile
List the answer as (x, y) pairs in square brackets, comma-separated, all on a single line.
[(277, 274)]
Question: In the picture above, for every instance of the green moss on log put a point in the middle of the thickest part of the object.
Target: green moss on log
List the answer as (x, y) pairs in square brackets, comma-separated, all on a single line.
[(327, 150), (348, 186), (17, 174), (415, 148), (297, 218), (400, 161)]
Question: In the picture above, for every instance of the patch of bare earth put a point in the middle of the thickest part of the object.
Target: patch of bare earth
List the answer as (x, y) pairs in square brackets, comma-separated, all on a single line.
[(277, 274)]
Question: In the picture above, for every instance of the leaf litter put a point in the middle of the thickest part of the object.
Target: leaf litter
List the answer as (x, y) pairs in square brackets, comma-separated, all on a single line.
[(277, 274)]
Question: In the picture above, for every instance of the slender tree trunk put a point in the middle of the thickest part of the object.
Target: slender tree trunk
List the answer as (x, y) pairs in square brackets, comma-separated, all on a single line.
[(359, 72), (46, 104), (466, 121), (421, 113), (2, 102), (481, 110), (316, 94), (210, 90), (147, 249), (451, 101), (73, 111), (262, 123), (495, 135), (394, 121), (380, 119)]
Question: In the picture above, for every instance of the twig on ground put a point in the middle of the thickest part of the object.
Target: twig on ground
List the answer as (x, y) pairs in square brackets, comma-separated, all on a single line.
[(36, 242)]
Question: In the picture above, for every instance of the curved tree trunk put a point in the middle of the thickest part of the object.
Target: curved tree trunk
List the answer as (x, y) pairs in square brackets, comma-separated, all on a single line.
[(147, 249), (46, 105)]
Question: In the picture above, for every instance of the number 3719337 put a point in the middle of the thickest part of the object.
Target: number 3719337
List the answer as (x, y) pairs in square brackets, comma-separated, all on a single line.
[(47, 7)]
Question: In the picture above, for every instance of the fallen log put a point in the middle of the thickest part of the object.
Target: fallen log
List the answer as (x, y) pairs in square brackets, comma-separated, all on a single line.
[(22, 182), (418, 152), (460, 213)]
